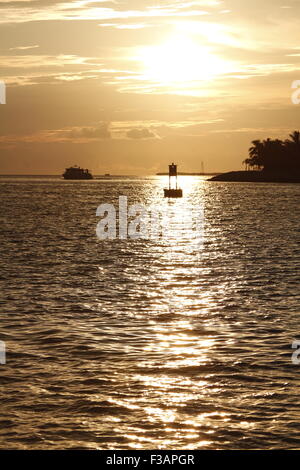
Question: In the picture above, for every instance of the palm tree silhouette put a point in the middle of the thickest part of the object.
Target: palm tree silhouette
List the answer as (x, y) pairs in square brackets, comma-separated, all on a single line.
[(256, 153), (295, 138), (275, 155)]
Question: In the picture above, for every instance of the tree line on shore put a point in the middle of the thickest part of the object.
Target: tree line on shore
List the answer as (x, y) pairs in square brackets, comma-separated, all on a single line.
[(275, 155)]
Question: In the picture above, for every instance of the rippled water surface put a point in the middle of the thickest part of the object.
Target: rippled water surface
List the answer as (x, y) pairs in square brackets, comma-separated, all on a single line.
[(144, 344)]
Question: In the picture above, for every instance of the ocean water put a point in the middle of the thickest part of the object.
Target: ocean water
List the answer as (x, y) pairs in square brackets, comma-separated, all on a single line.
[(149, 344)]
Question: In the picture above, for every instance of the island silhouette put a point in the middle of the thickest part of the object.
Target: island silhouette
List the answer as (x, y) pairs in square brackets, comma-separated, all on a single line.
[(270, 160)]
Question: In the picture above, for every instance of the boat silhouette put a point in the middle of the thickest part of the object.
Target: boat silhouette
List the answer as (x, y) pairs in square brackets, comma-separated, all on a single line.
[(77, 173)]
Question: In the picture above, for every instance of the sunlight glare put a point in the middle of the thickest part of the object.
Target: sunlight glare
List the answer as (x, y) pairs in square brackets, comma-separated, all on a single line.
[(181, 60)]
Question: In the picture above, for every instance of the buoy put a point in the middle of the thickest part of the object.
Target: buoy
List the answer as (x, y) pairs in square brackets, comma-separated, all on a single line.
[(173, 191)]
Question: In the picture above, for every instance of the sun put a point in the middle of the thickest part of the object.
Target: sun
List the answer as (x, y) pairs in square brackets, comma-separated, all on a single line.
[(180, 60)]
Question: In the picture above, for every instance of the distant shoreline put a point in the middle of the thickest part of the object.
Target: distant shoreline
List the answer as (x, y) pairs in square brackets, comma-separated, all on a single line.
[(189, 174), (104, 176), (60, 176), (250, 176), (256, 177)]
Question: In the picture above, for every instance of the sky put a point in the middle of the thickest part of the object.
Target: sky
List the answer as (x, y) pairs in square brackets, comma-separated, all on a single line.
[(127, 86)]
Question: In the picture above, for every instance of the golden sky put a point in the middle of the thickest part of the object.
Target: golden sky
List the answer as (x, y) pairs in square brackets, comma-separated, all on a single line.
[(126, 86)]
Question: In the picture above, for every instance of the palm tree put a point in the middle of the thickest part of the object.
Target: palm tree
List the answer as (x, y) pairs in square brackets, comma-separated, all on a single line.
[(295, 138), (247, 163), (274, 155), (293, 151), (256, 153)]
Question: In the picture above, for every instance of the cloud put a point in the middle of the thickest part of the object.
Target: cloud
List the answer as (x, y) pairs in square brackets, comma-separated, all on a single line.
[(141, 134), (23, 48), (73, 134), (13, 12), (99, 132), (118, 130), (42, 61)]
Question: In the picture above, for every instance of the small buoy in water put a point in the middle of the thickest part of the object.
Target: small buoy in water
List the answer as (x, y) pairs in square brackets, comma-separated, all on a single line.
[(173, 191)]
